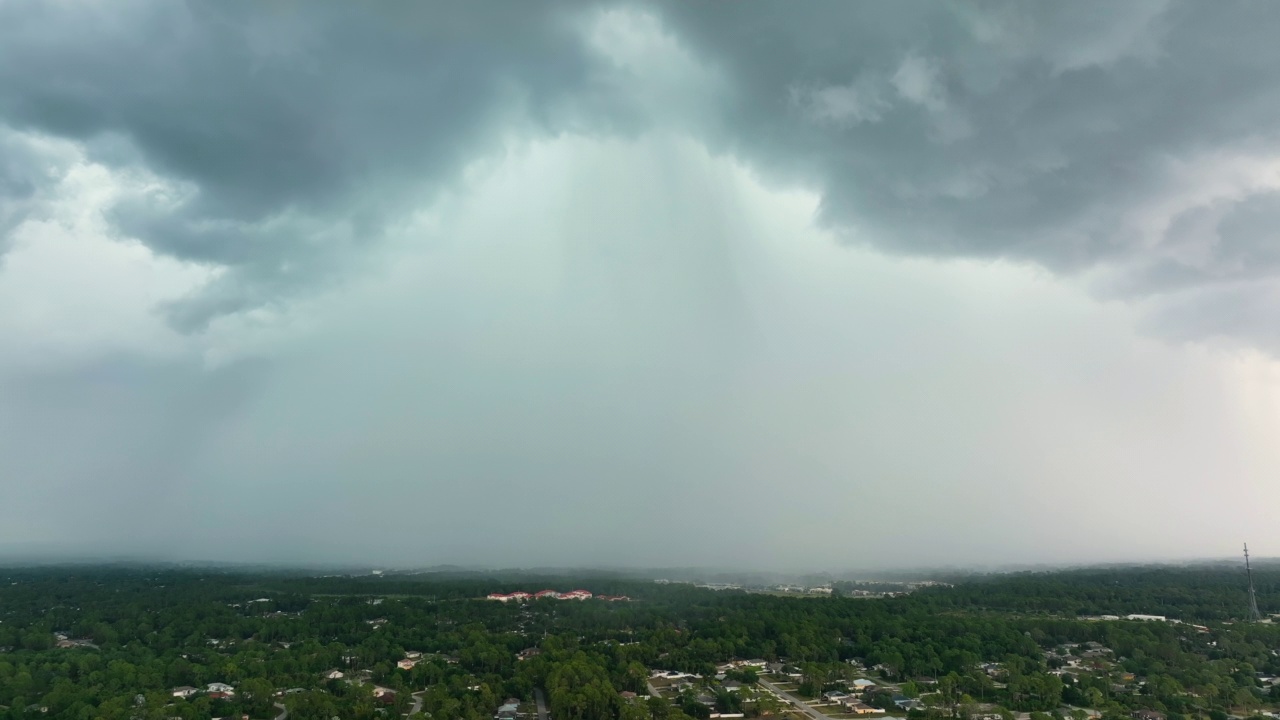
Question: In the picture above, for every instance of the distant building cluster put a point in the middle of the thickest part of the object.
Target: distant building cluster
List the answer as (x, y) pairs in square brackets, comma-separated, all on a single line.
[(214, 690), (553, 595)]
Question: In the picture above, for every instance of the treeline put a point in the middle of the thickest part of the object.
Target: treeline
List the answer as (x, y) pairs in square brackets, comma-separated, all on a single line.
[(151, 630), (1194, 594)]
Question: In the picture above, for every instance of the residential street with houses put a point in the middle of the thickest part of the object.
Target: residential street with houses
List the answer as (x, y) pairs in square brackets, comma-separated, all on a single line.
[(795, 701)]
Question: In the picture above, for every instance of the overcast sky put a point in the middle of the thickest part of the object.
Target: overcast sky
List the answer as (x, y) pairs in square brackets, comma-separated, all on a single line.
[(762, 285)]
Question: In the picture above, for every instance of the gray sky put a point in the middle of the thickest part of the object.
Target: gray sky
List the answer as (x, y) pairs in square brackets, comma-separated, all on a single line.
[(848, 285)]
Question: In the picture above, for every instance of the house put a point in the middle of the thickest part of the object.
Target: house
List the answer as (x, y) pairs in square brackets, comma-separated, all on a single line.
[(731, 685), (508, 711), (406, 664), (413, 655), (387, 697), (1146, 618), (835, 696), (546, 594), (862, 684), (627, 695), (527, 653), (218, 687), (334, 675), (859, 708), (576, 595), (1146, 715), (65, 642), (184, 691)]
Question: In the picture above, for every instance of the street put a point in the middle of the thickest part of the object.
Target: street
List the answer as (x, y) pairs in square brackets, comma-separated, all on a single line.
[(542, 704), (795, 701)]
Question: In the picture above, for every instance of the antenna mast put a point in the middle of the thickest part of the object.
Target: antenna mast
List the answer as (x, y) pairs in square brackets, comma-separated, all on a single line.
[(1254, 615)]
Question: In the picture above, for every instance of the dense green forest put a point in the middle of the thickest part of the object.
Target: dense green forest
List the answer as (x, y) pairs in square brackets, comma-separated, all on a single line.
[(81, 642)]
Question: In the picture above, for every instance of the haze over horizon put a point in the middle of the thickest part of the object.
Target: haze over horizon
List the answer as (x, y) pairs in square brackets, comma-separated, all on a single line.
[(853, 285)]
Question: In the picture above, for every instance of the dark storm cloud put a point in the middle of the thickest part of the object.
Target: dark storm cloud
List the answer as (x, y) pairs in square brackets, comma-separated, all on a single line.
[(1025, 130), (294, 133), (25, 171), (280, 118), (1046, 132)]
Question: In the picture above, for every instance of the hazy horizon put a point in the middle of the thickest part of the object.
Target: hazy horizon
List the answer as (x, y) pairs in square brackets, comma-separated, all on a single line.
[(55, 559), (881, 284)]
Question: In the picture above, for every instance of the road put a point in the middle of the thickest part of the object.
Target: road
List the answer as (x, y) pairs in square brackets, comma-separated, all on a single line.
[(795, 701), (542, 704), (284, 711), (417, 702)]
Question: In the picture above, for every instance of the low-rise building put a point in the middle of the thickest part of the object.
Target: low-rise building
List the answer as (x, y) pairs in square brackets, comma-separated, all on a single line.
[(862, 684)]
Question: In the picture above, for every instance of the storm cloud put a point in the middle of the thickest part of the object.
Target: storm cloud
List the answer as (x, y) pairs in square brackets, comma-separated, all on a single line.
[(414, 281)]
